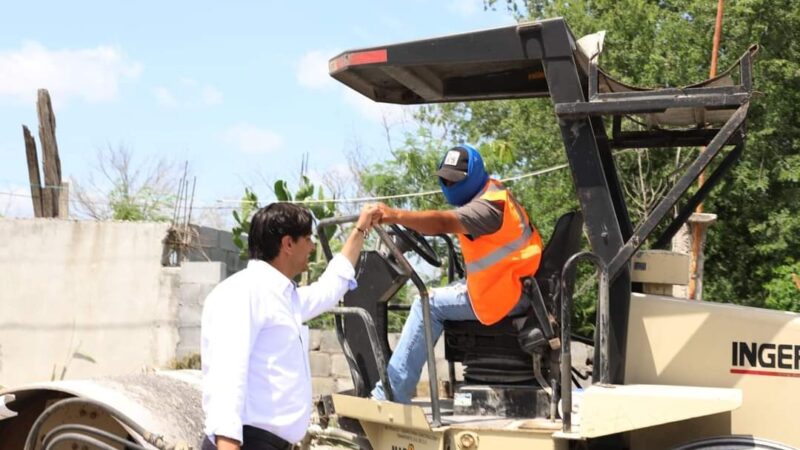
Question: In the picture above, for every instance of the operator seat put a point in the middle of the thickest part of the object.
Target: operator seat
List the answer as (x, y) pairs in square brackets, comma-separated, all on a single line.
[(493, 354)]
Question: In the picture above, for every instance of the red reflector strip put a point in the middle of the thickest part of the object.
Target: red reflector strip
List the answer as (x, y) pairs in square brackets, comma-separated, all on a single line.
[(357, 59), (369, 57), (765, 373)]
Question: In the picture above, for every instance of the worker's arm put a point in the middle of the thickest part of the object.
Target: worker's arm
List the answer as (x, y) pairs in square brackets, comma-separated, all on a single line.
[(426, 222), (369, 216), (224, 443)]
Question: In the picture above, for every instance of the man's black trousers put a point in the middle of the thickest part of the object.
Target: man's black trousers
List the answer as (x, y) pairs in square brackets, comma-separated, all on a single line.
[(256, 439)]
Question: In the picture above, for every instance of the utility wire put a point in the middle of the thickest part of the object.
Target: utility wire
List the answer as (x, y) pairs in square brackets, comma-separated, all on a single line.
[(408, 195), (234, 203)]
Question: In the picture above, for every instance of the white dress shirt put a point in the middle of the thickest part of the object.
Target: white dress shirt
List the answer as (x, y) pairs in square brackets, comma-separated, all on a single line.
[(254, 348)]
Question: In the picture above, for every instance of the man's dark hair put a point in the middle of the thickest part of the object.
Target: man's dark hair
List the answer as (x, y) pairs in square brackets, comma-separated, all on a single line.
[(271, 223)]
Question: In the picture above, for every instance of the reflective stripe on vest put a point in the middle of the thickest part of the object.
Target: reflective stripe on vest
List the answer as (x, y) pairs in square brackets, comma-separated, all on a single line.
[(506, 250)]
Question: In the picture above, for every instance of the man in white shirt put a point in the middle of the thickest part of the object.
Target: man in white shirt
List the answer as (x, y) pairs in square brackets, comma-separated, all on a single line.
[(254, 346)]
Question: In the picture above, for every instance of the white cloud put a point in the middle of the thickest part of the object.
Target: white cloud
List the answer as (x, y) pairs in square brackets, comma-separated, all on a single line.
[(377, 112), (91, 74), (465, 7), (312, 70), (165, 97), (251, 139)]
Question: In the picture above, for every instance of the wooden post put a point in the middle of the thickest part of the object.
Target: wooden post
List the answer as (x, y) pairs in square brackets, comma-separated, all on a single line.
[(699, 223), (50, 159), (33, 171)]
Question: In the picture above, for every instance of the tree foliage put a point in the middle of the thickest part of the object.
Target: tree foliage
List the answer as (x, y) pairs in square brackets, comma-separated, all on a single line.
[(668, 43)]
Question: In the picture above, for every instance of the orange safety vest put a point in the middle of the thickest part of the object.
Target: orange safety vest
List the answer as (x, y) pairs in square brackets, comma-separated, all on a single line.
[(496, 262)]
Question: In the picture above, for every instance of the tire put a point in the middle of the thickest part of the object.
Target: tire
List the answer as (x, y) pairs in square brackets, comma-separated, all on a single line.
[(735, 442)]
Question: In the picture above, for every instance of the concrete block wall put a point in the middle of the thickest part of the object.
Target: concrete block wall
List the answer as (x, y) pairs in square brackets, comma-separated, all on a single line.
[(330, 373), (94, 297), (196, 279), (88, 288), (216, 245)]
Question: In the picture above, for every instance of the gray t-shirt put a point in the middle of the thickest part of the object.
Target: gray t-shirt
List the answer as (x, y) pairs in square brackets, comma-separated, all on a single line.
[(480, 217)]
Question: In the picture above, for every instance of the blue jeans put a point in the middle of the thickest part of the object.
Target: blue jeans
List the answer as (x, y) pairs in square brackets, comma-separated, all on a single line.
[(410, 354)]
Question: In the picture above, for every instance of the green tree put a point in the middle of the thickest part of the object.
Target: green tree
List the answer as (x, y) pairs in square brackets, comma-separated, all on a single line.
[(667, 43), (783, 290)]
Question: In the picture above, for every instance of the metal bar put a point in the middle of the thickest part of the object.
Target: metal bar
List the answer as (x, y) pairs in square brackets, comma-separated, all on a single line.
[(63, 439), (612, 180), (426, 321), (352, 364), (422, 87), (672, 92), (323, 236), (650, 105), (700, 195), (372, 334), (604, 320), (603, 345), (593, 88), (368, 322), (539, 309), (398, 307), (746, 71), (717, 36), (453, 264), (665, 138), (451, 373), (566, 359), (591, 183), (682, 185)]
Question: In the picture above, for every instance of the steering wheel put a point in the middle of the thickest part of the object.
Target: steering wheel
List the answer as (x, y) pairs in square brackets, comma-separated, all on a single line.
[(417, 242)]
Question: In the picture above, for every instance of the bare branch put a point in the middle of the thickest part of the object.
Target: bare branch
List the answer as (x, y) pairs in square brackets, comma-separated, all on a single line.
[(126, 190)]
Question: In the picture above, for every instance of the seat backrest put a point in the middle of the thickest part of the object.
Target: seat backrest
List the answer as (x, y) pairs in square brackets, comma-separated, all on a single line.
[(471, 342), (564, 242)]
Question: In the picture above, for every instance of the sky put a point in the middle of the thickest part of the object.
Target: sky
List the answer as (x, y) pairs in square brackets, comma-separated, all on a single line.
[(239, 89)]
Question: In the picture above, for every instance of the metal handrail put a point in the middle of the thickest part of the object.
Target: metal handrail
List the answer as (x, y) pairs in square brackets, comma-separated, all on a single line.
[(436, 419), (602, 332), (372, 334), (424, 299)]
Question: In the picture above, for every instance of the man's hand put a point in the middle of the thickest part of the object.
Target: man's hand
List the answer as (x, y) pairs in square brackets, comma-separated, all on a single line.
[(224, 443), (370, 215), (388, 215)]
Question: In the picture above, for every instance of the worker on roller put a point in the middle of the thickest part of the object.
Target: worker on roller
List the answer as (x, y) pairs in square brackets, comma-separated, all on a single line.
[(500, 247)]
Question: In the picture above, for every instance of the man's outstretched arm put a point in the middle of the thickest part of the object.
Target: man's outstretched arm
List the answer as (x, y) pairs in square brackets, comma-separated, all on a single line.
[(426, 222)]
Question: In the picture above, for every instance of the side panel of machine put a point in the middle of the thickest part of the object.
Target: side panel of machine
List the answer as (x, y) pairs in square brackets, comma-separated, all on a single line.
[(681, 342), (472, 436)]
